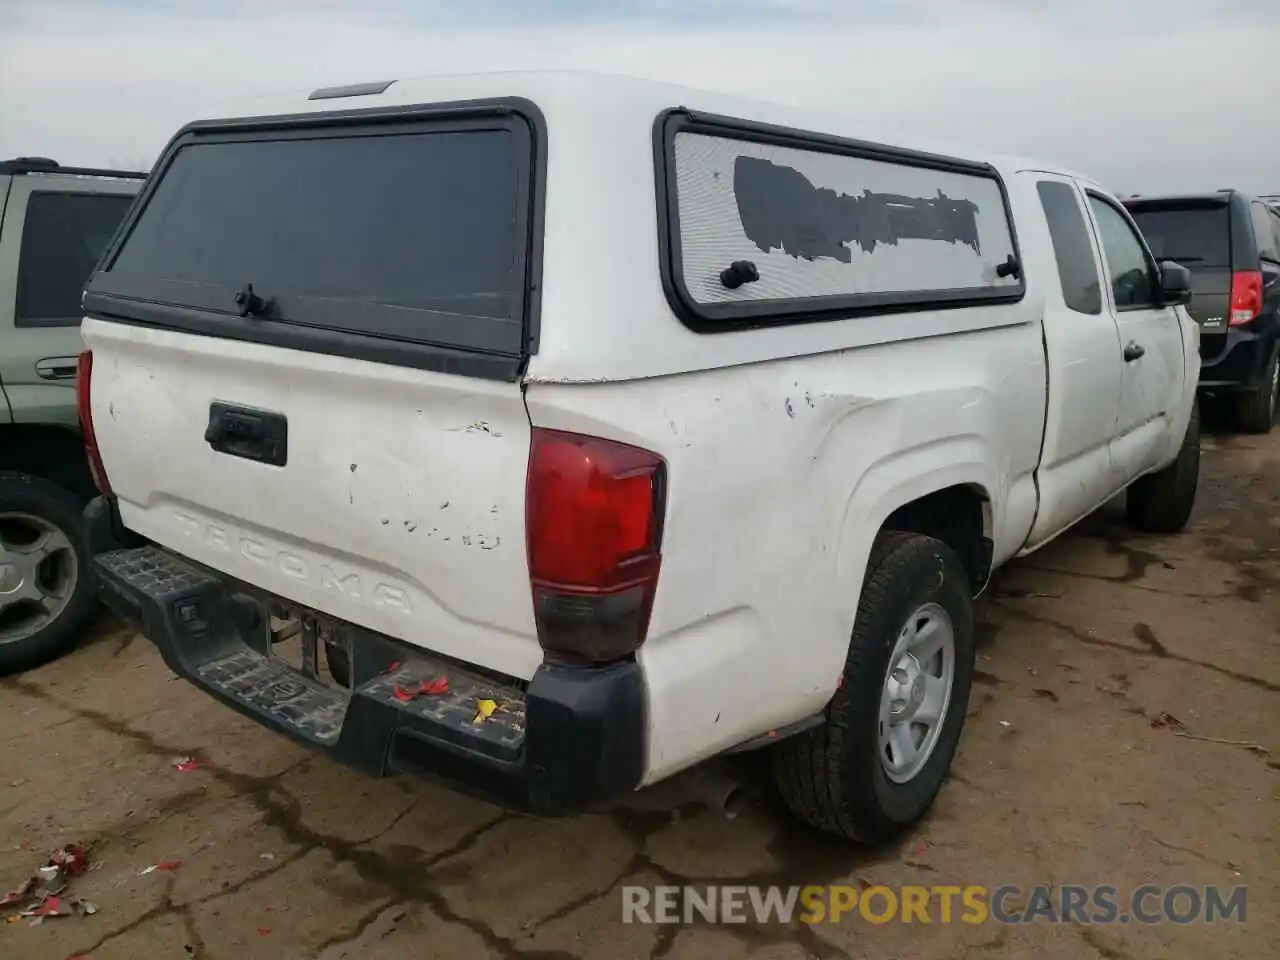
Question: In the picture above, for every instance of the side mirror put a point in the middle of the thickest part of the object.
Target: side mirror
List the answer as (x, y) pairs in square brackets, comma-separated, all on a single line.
[(1175, 284)]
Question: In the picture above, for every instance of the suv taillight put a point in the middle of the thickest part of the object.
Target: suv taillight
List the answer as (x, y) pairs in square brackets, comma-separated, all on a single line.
[(84, 377), (1246, 296), (594, 511)]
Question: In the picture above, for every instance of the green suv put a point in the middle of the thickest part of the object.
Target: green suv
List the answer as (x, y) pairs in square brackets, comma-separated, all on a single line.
[(55, 222)]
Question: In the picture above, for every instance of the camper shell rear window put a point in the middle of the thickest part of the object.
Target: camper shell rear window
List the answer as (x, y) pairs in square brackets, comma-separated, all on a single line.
[(393, 234), (764, 225)]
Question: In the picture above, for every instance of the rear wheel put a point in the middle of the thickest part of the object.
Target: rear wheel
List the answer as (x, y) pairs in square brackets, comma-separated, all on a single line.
[(46, 598), (1257, 408), (876, 766), (1162, 502)]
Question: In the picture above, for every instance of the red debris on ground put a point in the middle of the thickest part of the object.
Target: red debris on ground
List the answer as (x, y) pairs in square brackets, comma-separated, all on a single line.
[(165, 865), (39, 896)]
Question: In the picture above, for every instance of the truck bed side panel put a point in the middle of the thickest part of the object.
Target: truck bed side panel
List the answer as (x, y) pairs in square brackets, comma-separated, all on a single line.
[(780, 475)]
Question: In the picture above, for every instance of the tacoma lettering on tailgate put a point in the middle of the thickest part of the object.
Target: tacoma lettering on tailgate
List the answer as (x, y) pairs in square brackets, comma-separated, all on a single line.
[(320, 574)]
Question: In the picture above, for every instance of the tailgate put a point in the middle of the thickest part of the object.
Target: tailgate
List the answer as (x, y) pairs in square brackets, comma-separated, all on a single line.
[(307, 343)]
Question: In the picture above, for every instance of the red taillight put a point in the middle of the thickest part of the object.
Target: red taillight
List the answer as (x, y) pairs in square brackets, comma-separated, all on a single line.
[(1246, 296), (594, 527), (84, 377)]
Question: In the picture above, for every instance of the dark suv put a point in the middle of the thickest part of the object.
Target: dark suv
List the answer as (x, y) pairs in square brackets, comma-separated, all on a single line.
[(1231, 243)]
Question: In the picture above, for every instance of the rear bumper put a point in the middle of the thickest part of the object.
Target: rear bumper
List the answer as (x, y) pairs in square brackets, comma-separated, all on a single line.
[(1241, 361), (574, 737)]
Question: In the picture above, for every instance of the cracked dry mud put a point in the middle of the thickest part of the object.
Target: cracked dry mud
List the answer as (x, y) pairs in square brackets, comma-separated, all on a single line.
[(286, 855)]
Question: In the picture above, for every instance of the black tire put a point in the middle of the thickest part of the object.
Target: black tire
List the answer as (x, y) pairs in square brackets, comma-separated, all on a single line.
[(1256, 409), (1162, 502), (21, 493), (831, 777)]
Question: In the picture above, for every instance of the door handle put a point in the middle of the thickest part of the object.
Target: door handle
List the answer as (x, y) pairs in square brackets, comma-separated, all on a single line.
[(56, 368), (1133, 351)]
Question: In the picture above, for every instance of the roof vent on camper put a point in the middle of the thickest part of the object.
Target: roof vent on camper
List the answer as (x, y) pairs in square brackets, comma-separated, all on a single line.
[(371, 89)]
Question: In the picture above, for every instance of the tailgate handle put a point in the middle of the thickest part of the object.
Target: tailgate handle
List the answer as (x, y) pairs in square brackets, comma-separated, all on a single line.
[(247, 433)]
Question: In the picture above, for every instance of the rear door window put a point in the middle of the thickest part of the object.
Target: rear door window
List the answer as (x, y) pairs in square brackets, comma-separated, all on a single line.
[(415, 235), (63, 236), (1194, 236), (1077, 268)]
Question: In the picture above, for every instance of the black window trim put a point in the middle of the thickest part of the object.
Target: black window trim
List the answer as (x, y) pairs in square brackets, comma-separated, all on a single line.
[(73, 320), (1097, 256), (1275, 228), (1153, 268), (143, 304), (730, 317), (1268, 247)]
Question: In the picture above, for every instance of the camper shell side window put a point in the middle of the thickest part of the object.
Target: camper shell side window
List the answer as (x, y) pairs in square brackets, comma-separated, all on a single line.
[(762, 225)]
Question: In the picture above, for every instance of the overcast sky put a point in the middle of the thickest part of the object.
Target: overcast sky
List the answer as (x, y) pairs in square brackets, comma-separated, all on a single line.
[(1145, 95)]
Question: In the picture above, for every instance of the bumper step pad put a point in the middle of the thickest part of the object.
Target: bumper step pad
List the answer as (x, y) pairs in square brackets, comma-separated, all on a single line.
[(571, 738), (192, 617)]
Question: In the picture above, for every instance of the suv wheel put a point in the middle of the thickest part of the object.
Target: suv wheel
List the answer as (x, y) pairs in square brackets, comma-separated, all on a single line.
[(46, 598), (876, 766), (1257, 410)]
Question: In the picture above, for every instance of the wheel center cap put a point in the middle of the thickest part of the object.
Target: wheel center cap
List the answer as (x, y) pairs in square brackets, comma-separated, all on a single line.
[(10, 578), (917, 691)]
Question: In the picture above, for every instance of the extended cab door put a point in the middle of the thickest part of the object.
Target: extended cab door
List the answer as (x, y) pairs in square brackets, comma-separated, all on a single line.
[(1082, 345), (1151, 343), (54, 230)]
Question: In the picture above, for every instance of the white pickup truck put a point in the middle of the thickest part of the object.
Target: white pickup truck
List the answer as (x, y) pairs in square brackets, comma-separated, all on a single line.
[(551, 434)]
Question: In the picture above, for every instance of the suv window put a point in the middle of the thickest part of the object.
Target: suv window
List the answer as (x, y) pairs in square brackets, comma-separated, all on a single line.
[(63, 236), (1195, 236), (413, 236), (1132, 282), (1077, 269), (1264, 231)]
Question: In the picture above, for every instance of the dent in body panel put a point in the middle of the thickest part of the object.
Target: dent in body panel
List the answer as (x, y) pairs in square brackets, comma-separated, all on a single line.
[(770, 514), (781, 208)]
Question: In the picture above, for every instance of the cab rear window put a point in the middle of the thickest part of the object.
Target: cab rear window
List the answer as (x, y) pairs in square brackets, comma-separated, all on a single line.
[(415, 233)]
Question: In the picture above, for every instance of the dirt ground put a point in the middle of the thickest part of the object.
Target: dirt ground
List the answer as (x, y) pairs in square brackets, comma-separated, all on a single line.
[(1062, 777)]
